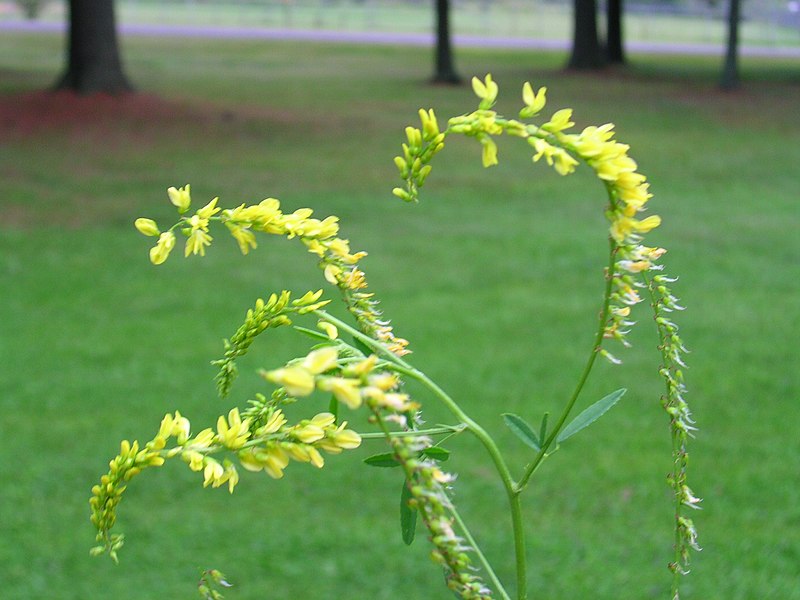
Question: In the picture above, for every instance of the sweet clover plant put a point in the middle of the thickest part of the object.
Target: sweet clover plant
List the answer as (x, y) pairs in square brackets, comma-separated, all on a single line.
[(363, 366)]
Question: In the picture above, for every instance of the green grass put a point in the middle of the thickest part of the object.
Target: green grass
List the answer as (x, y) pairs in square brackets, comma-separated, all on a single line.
[(494, 278)]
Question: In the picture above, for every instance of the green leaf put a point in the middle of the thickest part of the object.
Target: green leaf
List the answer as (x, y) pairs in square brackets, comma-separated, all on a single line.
[(362, 347), (543, 427), (333, 408), (590, 415), (522, 430), (437, 453), (408, 516), (318, 335), (382, 460)]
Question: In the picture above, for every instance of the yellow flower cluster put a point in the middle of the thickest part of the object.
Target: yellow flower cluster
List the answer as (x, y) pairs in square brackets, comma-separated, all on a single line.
[(274, 312), (259, 444), (354, 383), (628, 189), (320, 236)]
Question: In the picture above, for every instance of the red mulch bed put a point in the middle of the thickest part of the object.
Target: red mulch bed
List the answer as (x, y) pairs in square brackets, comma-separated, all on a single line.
[(29, 113)]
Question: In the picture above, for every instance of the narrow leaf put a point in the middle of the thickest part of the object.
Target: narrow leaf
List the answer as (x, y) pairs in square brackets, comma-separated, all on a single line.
[(543, 427), (318, 335), (408, 516), (590, 415), (437, 453), (362, 347), (333, 408), (382, 460), (522, 430)]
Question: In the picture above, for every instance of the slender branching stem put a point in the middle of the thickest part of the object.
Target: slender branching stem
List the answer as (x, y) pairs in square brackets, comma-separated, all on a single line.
[(481, 557), (587, 369), (401, 366)]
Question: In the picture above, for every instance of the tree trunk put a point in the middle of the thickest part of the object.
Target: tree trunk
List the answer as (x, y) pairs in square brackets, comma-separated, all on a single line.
[(730, 69), (615, 52), (445, 71), (586, 50), (93, 60)]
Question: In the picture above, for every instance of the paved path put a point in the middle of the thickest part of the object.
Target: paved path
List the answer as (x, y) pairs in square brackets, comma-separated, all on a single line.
[(401, 39)]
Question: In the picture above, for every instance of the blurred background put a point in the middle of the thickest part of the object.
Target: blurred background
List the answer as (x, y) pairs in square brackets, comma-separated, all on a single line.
[(495, 278)]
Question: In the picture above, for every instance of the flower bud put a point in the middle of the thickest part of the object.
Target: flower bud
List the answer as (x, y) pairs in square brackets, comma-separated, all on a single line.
[(147, 227)]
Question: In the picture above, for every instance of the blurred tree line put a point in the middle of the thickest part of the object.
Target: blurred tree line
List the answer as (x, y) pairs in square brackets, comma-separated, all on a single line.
[(93, 62)]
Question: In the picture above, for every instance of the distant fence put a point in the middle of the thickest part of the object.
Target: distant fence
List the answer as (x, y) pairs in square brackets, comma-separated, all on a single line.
[(765, 22)]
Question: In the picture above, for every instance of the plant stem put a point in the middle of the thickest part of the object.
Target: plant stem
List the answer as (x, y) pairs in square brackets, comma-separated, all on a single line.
[(587, 369), (401, 366), (486, 565)]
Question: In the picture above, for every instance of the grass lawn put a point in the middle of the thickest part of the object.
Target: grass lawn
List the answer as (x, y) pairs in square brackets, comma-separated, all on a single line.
[(494, 277)]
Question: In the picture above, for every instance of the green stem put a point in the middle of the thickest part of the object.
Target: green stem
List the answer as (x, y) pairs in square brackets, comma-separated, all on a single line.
[(464, 529), (401, 366), (587, 369), (486, 565)]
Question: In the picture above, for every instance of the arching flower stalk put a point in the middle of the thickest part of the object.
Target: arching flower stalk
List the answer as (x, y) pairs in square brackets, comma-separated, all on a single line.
[(633, 266)]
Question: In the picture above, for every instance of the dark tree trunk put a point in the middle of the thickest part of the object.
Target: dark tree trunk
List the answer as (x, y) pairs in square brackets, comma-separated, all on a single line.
[(730, 69), (93, 60), (586, 50), (615, 51), (445, 71)]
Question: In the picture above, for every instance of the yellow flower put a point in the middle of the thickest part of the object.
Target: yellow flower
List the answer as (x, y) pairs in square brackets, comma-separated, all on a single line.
[(180, 197), (559, 121), (346, 438), (297, 381), (321, 360), (489, 151), (209, 210), (332, 273), (197, 242), (212, 473), (315, 457), (273, 424), (542, 149), (329, 328), (202, 440), (634, 266), (194, 458), (233, 432), (294, 223), (244, 237), (564, 162), (165, 244), (323, 420), (486, 90), (363, 367), (534, 103), (385, 381), (275, 462), (610, 170), (345, 390), (308, 433), (147, 227), (231, 474), (176, 426), (430, 127)]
